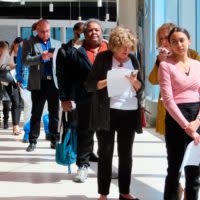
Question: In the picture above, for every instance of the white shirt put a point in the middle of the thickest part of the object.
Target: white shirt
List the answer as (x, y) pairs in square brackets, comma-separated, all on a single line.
[(128, 100)]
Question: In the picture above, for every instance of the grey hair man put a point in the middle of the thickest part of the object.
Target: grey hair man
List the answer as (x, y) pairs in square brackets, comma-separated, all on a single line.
[(42, 82), (76, 67)]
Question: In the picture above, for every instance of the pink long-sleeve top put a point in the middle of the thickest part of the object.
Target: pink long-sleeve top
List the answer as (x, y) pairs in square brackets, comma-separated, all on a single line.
[(177, 87)]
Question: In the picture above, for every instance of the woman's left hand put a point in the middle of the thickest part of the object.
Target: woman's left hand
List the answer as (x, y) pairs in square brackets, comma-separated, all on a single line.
[(196, 137), (193, 126), (134, 82)]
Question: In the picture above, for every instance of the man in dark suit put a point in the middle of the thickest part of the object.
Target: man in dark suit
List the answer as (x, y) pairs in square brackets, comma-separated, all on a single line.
[(76, 41), (72, 75), (42, 83)]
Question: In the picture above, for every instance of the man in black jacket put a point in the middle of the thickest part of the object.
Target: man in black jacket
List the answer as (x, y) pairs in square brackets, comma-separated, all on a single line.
[(72, 73), (76, 41)]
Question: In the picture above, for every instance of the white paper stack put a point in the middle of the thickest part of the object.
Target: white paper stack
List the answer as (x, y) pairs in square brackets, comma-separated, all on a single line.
[(117, 83)]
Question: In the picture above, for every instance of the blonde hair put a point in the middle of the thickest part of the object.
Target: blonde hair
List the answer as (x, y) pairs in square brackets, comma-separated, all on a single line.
[(165, 26), (4, 57), (122, 37), (3, 45)]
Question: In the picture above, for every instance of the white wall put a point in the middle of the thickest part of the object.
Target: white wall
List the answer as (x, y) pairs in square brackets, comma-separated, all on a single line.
[(8, 33), (184, 14), (127, 13)]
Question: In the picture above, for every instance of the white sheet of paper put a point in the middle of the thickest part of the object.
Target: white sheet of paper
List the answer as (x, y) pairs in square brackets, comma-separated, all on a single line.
[(192, 156), (117, 83), (13, 73)]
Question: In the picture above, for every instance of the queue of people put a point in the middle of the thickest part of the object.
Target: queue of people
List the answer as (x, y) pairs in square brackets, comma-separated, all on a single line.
[(76, 73)]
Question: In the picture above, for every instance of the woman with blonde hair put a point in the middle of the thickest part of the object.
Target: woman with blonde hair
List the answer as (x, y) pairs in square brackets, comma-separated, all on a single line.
[(119, 113)]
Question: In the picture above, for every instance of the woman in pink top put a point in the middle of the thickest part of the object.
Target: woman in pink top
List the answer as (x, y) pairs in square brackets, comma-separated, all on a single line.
[(179, 79)]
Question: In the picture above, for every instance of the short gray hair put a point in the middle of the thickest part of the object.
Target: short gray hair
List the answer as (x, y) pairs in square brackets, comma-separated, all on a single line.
[(89, 21)]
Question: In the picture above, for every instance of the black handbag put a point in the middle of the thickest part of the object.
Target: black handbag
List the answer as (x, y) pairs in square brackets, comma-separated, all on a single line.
[(5, 75)]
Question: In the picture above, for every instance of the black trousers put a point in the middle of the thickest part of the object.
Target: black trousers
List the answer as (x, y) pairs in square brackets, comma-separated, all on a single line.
[(176, 144), (16, 100), (6, 109), (49, 93), (192, 174), (85, 136), (123, 123)]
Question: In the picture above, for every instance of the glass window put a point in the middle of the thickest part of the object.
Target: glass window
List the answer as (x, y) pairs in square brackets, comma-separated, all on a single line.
[(25, 32), (56, 33), (106, 33), (69, 34)]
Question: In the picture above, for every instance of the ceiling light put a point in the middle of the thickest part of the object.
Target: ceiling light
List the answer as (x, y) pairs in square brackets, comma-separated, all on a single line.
[(107, 13), (51, 7), (99, 3), (79, 11), (22, 2), (13, 1), (107, 16)]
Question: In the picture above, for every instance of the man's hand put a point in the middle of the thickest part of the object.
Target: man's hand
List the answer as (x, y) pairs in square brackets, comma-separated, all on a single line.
[(101, 84), (46, 55), (67, 106)]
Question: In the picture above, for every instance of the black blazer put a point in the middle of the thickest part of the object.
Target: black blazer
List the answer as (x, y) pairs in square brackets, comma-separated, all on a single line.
[(73, 67), (100, 110)]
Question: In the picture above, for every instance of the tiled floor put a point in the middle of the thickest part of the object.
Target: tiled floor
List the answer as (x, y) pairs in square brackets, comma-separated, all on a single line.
[(36, 176)]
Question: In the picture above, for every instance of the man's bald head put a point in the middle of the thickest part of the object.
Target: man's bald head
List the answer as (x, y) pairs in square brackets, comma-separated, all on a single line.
[(43, 29)]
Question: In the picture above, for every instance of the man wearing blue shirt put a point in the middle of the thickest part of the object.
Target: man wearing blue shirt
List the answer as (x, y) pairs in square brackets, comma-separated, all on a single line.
[(42, 83)]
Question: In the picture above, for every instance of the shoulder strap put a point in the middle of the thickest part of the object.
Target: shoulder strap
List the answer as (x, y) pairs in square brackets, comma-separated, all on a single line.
[(62, 116)]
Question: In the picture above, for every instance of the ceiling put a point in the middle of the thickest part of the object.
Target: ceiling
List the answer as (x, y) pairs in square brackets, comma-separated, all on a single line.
[(18, 1), (63, 9)]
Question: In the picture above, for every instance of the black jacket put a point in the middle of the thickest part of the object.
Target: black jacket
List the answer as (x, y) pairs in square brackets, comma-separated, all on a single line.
[(100, 110), (73, 67)]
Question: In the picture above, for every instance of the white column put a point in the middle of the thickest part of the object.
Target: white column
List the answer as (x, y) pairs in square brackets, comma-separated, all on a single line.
[(63, 34), (18, 30), (127, 13)]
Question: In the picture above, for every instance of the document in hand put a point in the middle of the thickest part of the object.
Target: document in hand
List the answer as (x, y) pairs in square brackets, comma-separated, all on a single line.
[(192, 156), (13, 73), (117, 83)]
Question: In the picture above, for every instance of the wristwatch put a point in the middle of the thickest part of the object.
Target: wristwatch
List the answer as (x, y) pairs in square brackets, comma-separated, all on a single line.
[(198, 117)]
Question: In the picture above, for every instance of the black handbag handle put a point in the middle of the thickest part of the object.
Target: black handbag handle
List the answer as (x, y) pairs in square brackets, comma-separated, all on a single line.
[(5, 75)]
